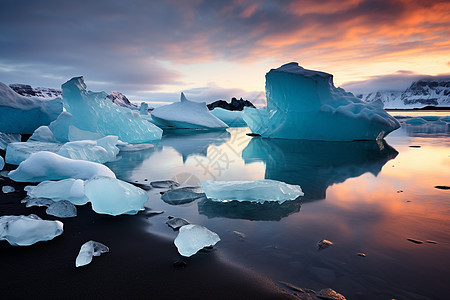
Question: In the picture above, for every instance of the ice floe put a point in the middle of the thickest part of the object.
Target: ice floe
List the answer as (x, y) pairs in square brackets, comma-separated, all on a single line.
[(88, 250), (192, 238)]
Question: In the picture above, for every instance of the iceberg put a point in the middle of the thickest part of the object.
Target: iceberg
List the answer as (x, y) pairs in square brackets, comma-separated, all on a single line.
[(100, 151), (68, 189), (2, 163), (76, 134), (186, 114), (46, 165), (43, 134), (90, 111), (20, 151), (89, 250), (62, 209), (254, 191), (6, 138), (27, 230), (232, 118), (114, 197), (192, 238), (22, 114), (305, 104)]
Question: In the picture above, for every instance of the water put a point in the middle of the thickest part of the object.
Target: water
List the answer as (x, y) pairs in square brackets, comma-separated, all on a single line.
[(365, 197)]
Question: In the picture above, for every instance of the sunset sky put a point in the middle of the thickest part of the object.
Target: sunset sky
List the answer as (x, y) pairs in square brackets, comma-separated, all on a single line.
[(152, 50)]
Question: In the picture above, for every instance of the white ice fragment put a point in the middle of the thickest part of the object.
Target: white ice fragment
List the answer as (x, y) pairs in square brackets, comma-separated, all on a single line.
[(89, 250), (305, 104), (20, 151), (2, 163), (232, 118), (254, 191), (101, 150), (92, 112), (125, 147), (43, 134), (192, 238), (6, 138), (186, 114), (27, 230), (8, 189), (37, 202), (62, 209), (67, 189), (21, 114), (114, 197), (45, 165)]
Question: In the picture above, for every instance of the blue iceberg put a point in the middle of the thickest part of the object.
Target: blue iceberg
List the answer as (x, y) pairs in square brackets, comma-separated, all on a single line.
[(305, 104)]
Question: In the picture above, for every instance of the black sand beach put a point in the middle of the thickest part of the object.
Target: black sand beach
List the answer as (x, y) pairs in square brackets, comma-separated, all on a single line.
[(139, 264)]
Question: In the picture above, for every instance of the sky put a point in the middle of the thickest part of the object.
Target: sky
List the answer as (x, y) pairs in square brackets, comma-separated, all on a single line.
[(153, 50)]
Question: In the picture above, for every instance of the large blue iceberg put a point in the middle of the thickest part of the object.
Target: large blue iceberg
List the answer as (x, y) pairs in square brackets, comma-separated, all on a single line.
[(20, 114), (91, 112), (305, 104)]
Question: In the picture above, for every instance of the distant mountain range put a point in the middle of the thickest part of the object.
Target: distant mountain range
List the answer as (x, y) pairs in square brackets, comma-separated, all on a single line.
[(40, 92), (421, 93)]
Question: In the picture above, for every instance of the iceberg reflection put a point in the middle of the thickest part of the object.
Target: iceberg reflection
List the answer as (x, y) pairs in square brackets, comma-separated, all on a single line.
[(316, 165)]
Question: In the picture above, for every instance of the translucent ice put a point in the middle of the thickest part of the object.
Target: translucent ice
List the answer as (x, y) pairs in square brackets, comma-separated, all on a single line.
[(90, 111), (253, 191), (305, 104), (114, 197), (6, 138), (27, 230), (21, 114), (45, 165), (125, 147), (101, 151), (143, 109), (76, 134), (43, 134), (89, 250), (181, 196), (8, 189), (192, 238), (68, 189), (232, 118), (176, 223), (164, 184), (2, 163), (416, 121), (62, 209), (37, 202), (20, 151), (186, 114)]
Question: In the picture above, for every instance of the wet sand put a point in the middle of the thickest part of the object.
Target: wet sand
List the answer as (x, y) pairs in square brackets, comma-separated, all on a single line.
[(139, 264)]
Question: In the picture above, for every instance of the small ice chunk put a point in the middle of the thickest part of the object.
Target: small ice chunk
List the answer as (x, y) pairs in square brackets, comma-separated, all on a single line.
[(89, 250), (4, 173), (164, 184), (114, 197), (143, 109), (43, 134), (181, 196), (416, 121), (27, 230), (176, 223), (2, 163), (37, 201), (192, 238), (254, 191), (125, 147), (18, 152), (101, 151), (8, 189), (7, 138), (51, 166), (62, 209), (68, 189)]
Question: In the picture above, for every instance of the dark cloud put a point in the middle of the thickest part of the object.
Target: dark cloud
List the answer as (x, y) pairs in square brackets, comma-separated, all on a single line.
[(398, 81)]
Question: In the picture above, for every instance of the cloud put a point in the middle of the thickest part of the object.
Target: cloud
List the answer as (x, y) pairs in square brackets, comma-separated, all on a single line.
[(398, 81)]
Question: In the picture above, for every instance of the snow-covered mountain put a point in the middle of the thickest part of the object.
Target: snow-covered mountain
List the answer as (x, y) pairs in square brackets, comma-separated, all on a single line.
[(120, 99), (421, 93), (39, 92)]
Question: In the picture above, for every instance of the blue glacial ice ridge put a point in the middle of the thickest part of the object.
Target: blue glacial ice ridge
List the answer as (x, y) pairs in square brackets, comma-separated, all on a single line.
[(114, 197), (46, 165), (192, 238), (27, 230), (186, 114), (305, 104), (253, 191), (90, 111), (20, 114)]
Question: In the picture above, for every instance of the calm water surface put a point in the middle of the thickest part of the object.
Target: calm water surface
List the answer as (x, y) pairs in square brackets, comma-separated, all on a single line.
[(365, 197)]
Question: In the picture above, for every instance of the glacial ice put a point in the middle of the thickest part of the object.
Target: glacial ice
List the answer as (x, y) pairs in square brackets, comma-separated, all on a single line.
[(416, 121), (20, 151), (192, 238), (305, 104), (181, 196), (125, 147), (8, 189), (23, 114), (100, 151), (43, 134), (186, 114), (232, 118), (2, 163), (143, 109), (68, 189), (164, 184), (76, 134), (6, 138), (176, 223), (27, 230), (29, 202), (46, 165), (90, 111), (89, 250), (254, 191), (62, 209), (114, 197)]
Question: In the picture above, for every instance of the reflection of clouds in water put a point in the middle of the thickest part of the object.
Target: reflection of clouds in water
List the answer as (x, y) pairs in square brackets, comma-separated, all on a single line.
[(317, 165)]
